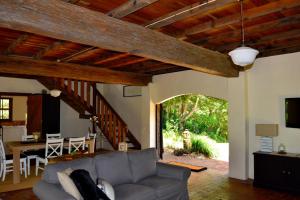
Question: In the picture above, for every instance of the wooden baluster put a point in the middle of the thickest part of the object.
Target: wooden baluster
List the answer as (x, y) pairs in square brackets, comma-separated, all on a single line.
[(82, 90), (88, 93), (114, 130), (69, 85), (99, 112), (118, 127), (107, 120), (110, 126), (98, 105), (76, 88), (94, 95), (119, 130), (124, 134), (102, 115), (60, 82)]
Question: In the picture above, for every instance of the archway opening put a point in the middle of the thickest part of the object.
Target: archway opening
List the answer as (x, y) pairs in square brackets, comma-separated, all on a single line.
[(194, 130)]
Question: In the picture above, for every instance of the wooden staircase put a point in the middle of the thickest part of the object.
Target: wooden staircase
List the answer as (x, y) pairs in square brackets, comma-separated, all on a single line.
[(84, 97)]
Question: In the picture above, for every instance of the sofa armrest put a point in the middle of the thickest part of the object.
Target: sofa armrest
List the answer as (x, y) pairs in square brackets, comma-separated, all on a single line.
[(49, 191), (172, 171)]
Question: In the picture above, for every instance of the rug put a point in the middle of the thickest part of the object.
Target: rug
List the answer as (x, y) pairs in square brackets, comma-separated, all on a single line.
[(193, 168)]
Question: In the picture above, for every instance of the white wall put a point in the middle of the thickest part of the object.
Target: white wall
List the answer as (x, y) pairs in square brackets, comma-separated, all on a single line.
[(129, 108), (139, 112), (270, 81), (70, 124)]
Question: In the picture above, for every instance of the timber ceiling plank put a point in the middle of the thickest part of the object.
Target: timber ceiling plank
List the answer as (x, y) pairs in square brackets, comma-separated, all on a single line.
[(15, 65), (15, 44), (188, 11), (254, 29), (81, 25), (129, 7), (249, 14)]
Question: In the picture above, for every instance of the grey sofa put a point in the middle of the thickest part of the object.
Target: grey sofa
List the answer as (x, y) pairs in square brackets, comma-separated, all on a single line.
[(134, 176)]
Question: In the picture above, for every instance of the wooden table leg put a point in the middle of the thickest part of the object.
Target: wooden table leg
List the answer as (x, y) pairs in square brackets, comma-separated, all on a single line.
[(16, 165), (91, 146)]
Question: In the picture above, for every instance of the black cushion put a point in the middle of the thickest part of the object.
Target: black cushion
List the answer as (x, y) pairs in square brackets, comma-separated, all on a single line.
[(10, 156), (86, 186)]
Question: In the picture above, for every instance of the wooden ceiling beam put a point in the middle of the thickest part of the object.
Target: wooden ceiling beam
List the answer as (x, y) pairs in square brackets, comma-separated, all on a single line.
[(249, 14), (202, 7), (21, 39), (131, 62), (129, 7), (51, 47), (119, 12), (26, 66), (111, 58), (87, 27), (77, 54)]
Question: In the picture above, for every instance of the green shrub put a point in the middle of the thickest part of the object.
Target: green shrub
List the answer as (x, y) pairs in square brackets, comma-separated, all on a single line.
[(203, 145)]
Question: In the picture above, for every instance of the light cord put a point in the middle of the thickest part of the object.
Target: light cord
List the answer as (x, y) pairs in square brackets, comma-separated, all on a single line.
[(242, 20)]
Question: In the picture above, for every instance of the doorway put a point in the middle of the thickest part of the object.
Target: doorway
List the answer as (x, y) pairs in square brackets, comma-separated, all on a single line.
[(193, 129)]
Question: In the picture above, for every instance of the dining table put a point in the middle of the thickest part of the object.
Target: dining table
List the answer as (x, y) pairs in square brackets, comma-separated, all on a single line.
[(20, 146)]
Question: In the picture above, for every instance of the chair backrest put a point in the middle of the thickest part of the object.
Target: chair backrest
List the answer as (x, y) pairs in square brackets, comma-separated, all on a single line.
[(53, 136), (76, 143), (2, 152), (92, 135), (27, 137), (54, 147)]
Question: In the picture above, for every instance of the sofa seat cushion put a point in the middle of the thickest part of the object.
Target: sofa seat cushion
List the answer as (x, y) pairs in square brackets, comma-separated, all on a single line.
[(142, 163), (164, 187), (114, 168), (50, 172), (134, 192)]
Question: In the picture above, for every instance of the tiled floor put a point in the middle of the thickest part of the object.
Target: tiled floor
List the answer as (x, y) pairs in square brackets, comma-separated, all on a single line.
[(212, 184)]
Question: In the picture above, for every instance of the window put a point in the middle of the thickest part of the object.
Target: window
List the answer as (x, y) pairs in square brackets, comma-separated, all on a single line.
[(5, 109)]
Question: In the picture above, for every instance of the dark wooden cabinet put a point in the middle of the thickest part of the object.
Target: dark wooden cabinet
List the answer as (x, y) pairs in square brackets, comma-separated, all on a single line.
[(43, 114), (280, 171)]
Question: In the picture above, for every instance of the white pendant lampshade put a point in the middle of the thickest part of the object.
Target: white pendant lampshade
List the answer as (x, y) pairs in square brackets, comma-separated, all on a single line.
[(55, 92), (243, 56)]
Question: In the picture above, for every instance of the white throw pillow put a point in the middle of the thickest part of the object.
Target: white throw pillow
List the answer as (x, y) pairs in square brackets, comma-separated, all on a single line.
[(107, 188), (67, 183)]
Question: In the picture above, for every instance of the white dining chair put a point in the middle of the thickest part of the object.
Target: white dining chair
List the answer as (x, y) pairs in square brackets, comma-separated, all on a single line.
[(93, 137), (54, 148), (31, 154), (76, 143), (7, 163), (53, 136)]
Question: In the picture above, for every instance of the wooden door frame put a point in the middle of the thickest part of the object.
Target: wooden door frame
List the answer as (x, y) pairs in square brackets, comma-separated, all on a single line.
[(158, 130)]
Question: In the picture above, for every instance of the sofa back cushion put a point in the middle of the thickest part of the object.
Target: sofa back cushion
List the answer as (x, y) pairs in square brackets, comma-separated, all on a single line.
[(50, 173), (142, 163), (114, 168)]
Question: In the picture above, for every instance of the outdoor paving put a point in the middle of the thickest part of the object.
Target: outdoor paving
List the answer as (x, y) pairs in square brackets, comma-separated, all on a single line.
[(220, 166)]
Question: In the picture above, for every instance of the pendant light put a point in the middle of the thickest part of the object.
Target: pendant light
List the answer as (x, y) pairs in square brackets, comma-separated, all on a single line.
[(55, 92), (243, 55)]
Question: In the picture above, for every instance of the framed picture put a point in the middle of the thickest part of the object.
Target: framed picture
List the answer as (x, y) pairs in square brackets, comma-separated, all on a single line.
[(132, 91)]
